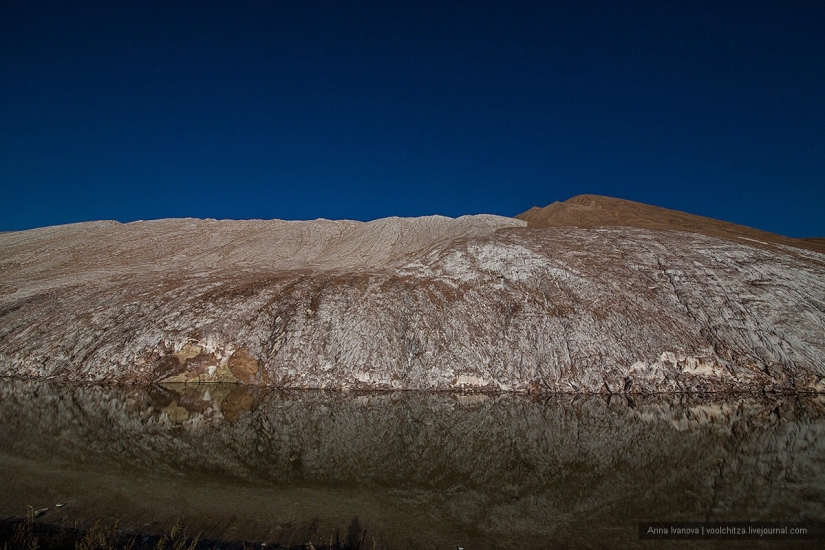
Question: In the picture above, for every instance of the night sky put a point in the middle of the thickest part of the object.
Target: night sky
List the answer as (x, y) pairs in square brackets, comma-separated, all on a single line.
[(347, 109)]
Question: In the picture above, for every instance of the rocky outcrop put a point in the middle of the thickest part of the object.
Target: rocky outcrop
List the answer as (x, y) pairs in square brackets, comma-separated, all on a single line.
[(478, 302)]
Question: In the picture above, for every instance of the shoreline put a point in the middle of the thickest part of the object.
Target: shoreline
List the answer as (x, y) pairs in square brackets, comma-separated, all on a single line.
[(766, 391)]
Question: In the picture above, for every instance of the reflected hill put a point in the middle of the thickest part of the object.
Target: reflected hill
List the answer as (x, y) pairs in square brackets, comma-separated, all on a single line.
[(431, 468)]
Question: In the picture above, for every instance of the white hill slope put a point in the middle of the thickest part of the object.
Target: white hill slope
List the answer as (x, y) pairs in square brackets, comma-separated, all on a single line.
[(433, 303)]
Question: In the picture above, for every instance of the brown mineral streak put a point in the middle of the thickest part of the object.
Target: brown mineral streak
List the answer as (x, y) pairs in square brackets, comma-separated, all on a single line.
[(594, 295), (244, 367)]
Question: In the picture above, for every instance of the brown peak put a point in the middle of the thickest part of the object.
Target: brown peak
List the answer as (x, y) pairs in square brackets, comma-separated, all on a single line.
[(587, 199), (601, 211), (532, 210), (603, 201), (617, 211)]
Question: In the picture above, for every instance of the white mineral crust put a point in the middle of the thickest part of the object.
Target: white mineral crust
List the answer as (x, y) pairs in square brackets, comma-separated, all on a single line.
[(434, 303)]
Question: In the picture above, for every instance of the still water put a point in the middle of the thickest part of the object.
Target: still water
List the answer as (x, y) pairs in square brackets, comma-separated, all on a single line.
[(412, 470)]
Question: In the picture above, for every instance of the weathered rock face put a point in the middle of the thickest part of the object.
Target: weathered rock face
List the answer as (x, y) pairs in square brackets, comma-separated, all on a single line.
[(478, 302)]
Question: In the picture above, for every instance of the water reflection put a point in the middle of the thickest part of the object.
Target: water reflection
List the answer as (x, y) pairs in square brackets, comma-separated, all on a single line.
[(427, 470)]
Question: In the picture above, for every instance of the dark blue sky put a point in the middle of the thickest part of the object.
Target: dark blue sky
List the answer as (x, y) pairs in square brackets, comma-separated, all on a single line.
[(347, 109)]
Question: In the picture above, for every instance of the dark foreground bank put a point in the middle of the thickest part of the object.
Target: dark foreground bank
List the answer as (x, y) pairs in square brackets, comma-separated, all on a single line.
[(28, 534)]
